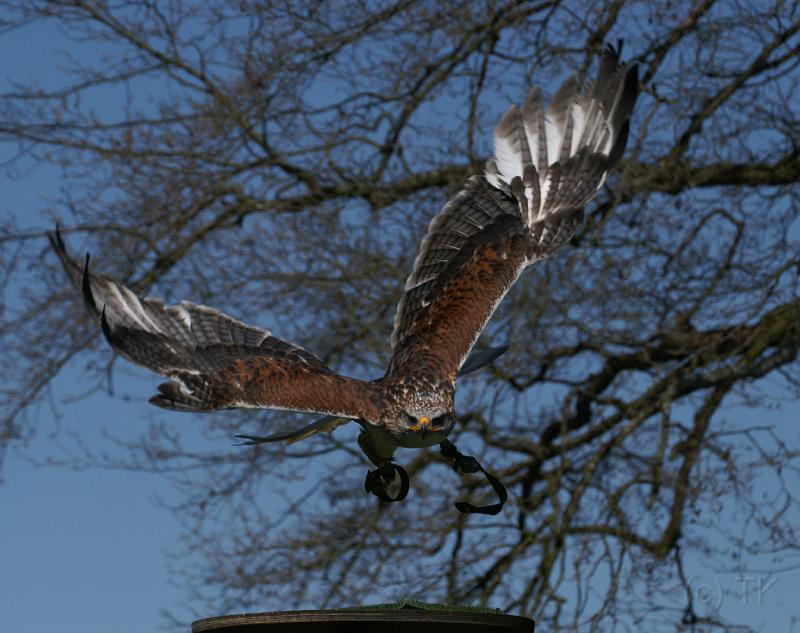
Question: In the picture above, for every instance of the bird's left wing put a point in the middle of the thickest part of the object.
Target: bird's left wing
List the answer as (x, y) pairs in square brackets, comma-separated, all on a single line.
[(546, 167), (214, 360)]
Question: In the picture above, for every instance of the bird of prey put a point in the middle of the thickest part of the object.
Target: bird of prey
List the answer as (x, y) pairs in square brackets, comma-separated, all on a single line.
[(547, 164)]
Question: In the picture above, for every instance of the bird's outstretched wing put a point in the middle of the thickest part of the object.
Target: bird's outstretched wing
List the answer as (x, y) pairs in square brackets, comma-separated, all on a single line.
[(328, 423), (546, 167), (214, 360)]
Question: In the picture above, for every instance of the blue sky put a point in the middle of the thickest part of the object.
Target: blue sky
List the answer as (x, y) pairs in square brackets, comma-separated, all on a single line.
[(81, 550), (88, 550)]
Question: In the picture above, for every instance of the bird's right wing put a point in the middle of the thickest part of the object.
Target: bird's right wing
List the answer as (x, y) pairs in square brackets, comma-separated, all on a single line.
[(214, 360), (547, 165)]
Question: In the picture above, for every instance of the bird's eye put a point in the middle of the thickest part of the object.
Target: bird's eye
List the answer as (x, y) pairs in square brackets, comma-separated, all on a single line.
[(410, 418)]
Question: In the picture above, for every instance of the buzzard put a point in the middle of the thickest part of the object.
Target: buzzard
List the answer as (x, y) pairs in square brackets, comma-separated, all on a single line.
[(547, 165)]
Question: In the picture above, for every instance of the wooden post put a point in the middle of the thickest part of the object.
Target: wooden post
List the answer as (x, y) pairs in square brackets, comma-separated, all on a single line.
[(381, 619)]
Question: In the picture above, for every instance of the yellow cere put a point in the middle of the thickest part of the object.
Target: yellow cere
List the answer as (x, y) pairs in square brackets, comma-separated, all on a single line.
[(422, 422)]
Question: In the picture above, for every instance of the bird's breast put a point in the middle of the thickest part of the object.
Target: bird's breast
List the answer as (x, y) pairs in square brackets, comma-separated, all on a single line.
[(385, 442)]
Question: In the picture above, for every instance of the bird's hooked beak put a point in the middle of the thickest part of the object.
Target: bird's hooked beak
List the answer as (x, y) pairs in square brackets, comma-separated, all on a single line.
[(423, 426)]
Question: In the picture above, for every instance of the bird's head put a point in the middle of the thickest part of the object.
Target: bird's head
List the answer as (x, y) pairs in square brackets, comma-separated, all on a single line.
[(431, 426), (421, 415)]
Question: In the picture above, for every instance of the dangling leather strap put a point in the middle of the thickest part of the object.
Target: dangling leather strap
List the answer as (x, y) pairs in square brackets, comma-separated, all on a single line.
[(468, 464), (376, 479)]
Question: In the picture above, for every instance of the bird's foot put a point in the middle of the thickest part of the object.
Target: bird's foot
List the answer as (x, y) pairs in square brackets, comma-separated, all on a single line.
[(378, 482), (468, 464)]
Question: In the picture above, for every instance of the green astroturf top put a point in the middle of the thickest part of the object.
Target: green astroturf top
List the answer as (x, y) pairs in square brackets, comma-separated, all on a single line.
[(412, 603)]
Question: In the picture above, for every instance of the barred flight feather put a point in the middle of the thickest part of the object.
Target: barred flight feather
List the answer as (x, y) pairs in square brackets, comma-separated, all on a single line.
[(564, 156)]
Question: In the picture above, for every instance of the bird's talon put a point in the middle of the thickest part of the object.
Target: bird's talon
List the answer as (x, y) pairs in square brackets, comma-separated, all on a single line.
[(386, 472)]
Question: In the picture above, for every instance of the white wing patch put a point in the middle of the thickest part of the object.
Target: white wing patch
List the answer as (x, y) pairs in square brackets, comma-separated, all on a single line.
[(559, 158)]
